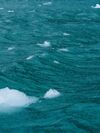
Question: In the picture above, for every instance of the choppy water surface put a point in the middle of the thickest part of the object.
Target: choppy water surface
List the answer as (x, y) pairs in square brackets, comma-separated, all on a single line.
[(49, 66)]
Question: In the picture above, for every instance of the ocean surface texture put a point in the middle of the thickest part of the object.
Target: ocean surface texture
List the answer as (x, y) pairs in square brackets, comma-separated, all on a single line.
[(50, 66)]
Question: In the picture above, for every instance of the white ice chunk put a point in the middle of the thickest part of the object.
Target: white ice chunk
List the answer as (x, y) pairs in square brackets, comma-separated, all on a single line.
[(11, 48), (11, 11), (66, 34), (52, 93), (15, 98), (47, 3), (63, 50), (29, 57), (56, 62), (96, 6), (45, 44)]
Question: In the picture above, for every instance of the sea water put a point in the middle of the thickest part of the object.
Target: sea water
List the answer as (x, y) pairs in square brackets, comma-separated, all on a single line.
[(49, 66)]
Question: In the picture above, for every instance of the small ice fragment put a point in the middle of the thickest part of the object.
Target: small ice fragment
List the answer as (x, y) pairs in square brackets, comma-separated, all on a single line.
[(96, 6), (56, 62), (10, 10), (45, 44), (11, 48), (63, 50), (47, 3), (30, 57), (66, 34), (52, 93)]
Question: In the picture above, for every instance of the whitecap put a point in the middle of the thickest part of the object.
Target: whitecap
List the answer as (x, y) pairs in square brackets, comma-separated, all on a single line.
[(47, 3), (63, 50), (15, 98), (52, 93), (96, 6), (11, 48), (45, 44), (29, 57)]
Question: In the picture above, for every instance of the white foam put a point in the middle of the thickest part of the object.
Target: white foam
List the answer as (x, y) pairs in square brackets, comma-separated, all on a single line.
[(47, 3), (45, 44), (52, 93), (66, 34), (56, 62), (96, 6), (63, 49), (11, 48), (29, 57), (15, 98)]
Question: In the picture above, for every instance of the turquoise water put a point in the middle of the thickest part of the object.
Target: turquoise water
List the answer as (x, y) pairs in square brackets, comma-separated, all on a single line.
[(50, 44)]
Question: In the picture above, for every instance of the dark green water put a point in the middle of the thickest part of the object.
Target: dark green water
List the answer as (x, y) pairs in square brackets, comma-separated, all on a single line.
[(36, 54)]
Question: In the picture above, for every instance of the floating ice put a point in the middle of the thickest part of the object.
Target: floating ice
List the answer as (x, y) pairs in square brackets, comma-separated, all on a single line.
[(96, 6), (30, 57), (47, 3), (45, 44), (63, 50), (66, 34), (11, 48), (15, 98), (52, 93)]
